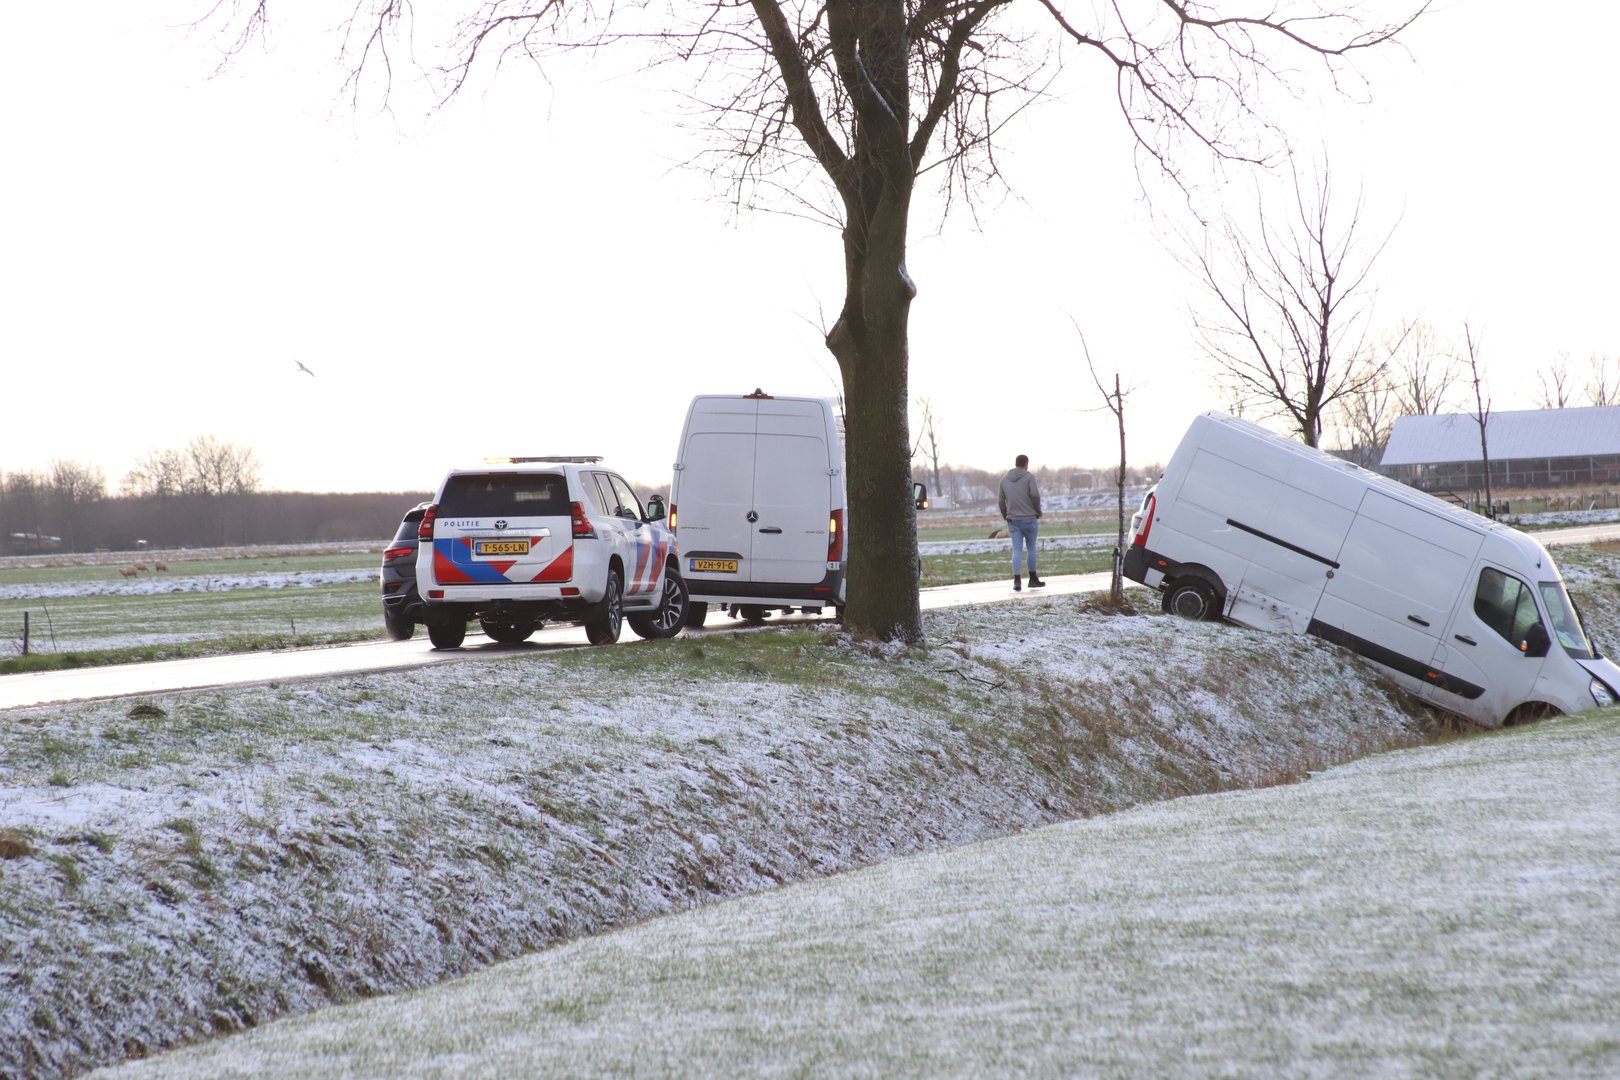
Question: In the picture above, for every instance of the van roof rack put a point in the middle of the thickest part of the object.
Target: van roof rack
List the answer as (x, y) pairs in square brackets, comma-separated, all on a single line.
[(580, 459)]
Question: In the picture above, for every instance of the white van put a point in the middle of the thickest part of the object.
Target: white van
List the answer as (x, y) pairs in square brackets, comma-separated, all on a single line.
[(1471, 615), (757, 503)]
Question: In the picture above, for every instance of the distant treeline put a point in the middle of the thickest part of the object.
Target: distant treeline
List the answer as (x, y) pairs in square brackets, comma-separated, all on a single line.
[(30, 525)]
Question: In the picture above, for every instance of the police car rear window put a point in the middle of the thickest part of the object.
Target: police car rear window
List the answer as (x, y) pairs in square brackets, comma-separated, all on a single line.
[(505, 495)]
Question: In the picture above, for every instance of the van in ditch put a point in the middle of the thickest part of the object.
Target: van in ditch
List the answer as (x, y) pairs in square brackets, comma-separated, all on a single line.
[(757, 503), (1469, 614)]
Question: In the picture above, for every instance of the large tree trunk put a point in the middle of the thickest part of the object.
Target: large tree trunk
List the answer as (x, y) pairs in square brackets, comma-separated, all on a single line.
[(870, 343)]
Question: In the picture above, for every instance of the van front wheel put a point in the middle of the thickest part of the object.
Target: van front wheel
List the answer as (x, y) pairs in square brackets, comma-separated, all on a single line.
[(1191, 600)]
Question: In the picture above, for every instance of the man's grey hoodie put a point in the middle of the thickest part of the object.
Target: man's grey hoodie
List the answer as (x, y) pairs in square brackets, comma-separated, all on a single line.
[(1019, 497)]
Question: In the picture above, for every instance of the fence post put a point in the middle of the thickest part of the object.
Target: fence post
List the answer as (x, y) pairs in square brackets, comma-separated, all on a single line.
[(25, 633)]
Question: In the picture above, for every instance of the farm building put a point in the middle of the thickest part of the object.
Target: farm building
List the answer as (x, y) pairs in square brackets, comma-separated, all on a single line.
[(1532, 448)]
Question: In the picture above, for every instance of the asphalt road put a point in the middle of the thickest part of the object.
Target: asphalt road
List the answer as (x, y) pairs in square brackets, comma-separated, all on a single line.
[(123, 680)]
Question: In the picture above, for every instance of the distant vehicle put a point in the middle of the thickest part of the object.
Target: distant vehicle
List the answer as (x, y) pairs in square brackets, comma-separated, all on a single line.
[(402, 605), (524, 541), (1468, 614), (758, 503)]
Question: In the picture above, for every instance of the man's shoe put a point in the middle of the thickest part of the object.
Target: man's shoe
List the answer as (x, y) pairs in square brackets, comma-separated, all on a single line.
[(1018, 582), (1036, 583)]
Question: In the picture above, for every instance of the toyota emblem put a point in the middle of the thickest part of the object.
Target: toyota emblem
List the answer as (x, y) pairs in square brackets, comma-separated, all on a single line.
[(501, 524)]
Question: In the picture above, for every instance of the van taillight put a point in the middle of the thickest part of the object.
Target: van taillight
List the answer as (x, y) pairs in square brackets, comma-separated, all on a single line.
[(582, 524), (1147, 522), (835, 537), (424, 531), (672, 509)]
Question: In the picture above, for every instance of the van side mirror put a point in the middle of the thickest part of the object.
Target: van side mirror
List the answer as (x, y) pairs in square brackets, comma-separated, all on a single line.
[(655, 508), (919, 496), (1536, 641)]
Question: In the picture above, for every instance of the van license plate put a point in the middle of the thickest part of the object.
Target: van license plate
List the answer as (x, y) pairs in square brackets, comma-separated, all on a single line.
[(500, 547), (714, 566)]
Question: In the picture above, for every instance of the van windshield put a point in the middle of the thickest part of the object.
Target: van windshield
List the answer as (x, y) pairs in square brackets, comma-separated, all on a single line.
[(1571, 634)]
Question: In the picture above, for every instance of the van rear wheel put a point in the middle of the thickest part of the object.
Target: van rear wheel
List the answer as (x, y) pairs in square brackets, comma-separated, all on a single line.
[(1191, 600)]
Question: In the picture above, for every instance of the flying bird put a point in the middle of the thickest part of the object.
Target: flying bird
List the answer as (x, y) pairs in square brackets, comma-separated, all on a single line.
[(304, 369)]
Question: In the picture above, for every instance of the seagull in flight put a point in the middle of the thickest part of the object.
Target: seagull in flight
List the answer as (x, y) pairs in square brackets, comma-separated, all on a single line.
[(304, 369)]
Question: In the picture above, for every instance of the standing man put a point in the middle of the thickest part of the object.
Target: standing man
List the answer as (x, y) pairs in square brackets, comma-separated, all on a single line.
[(1020, 503)]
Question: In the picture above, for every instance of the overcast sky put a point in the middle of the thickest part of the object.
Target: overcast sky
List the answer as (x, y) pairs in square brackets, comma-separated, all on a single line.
[(528, 271)]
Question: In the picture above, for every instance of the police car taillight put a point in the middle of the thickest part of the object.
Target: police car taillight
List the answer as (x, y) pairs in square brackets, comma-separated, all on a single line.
[(582, 524), (424, 531), (835, 537)]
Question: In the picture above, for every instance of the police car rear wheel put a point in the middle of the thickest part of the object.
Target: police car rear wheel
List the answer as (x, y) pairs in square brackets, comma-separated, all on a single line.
[(603, 621), (447, 635), (508, 633), (666, 620)]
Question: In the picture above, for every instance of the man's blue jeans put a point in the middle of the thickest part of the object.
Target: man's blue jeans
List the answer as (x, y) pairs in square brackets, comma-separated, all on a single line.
[(1022, 531)]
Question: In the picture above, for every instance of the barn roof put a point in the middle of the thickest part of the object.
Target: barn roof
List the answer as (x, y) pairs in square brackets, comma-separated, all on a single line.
[(1593, 431)]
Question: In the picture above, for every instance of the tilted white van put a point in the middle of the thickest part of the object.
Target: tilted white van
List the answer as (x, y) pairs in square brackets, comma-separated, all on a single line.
[(757, 502), (1469, 614)]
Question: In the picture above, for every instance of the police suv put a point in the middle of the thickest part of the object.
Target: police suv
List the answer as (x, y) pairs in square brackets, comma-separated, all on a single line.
[(522, 541)]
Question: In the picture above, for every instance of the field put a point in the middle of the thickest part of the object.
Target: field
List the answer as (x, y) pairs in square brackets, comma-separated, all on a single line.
[(180, 867)]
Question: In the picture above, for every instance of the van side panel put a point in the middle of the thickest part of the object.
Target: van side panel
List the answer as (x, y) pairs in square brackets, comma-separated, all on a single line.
[(1283, 538), (1399, 576)]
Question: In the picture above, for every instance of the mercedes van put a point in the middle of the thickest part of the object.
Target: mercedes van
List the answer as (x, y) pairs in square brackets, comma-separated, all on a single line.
[(1471, 615), (757, 504)]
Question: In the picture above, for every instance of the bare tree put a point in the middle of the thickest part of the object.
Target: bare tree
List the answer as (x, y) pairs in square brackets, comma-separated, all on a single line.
[(1482, 414), (1114, 401), (158, 474), (1367, 419), (1291, 308), (1555, 387), (839, 108), (1416, 378), (1603, 386), (74, 485), (219, 468), (928, 441), (1423, 370)]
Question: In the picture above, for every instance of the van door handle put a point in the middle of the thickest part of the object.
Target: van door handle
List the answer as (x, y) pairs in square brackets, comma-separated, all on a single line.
[(771, 529), (1420, 622), (1465, 640)]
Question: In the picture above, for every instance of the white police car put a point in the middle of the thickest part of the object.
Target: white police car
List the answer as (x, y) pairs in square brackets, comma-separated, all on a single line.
[(523, 541)]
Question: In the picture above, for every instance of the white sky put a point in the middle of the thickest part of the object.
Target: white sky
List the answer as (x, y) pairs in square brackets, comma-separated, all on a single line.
[(526, 272)]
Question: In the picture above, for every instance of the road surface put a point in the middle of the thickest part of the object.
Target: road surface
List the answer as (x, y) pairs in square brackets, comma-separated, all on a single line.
[(124, 680)]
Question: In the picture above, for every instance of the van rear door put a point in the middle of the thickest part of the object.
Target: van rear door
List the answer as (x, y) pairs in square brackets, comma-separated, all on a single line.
[(793, 471), (716, 490)]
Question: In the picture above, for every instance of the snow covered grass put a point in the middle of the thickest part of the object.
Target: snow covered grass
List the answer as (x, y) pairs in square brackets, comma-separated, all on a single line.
[(220, 615), (1443, 911), (190, 865)]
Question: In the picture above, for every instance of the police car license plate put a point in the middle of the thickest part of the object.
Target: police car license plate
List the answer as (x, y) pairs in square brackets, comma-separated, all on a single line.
[(714, 566), (500, 547)]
